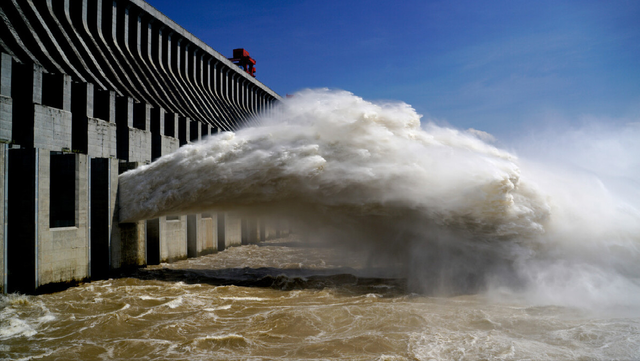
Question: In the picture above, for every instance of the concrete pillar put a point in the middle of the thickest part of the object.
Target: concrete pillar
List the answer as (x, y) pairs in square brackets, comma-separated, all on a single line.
[(124, 121), (3, 214), (252, 228), (81, 111), (157, 131), (104, 187), (128, 240), (233, 230), (262, 235), (6, 103), (184, 127), (195, 131), (167, 239), (205, 130), (249, 230), (220, 225), (208, 234)]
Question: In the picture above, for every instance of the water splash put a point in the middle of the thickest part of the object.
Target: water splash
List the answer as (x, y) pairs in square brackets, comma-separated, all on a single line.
[(454, 212)]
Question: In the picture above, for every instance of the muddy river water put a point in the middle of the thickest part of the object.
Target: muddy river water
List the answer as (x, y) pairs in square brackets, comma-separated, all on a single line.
[(287, 300)]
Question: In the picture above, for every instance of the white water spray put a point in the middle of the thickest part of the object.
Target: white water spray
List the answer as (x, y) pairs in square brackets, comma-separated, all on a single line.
[(458, 214)]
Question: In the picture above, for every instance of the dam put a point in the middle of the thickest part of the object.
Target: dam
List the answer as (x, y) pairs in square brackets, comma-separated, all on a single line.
[(90, 89)]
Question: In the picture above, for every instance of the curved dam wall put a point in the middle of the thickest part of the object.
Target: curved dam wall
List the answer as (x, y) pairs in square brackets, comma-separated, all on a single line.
[(88, 90)]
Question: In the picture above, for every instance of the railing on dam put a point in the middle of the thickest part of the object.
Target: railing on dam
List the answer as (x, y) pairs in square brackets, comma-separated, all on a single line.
[(88, 90)]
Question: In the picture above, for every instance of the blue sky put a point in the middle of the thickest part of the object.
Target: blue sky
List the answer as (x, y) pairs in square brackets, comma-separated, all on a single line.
[(499, 66)]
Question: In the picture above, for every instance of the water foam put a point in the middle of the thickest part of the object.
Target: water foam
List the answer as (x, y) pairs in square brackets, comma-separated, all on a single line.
[(457, 212)]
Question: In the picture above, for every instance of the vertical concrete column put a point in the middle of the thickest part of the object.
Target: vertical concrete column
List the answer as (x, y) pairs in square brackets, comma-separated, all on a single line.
[(167, 239), (252, 229), (81, 110), (207, 233), (262, 230), (153, 241), (157, 131), (4, 148), (104, 187), (26, 90), (244, 232), (195, 131), (184, 127), (233, 230), (220, 225), (205, 131), (194, 239), (249, 226), (6, 103), (128, 240), (124, 121)]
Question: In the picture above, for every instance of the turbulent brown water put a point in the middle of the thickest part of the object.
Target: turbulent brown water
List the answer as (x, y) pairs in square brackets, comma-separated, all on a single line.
[(288, 300), (414, 241)]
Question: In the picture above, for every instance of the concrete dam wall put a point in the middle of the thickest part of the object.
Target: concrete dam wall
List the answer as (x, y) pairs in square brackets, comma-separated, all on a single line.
[(88, 90)]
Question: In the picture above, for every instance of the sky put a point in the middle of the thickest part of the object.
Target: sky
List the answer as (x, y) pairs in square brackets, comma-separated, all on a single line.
[(504, 67)]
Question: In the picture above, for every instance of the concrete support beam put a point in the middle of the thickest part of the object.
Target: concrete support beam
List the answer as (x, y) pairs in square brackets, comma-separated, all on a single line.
[(202, 234), (128, 240), (233, 230), (3, 214), (6, 103), (184, 130), (167, 239), (104, 190)]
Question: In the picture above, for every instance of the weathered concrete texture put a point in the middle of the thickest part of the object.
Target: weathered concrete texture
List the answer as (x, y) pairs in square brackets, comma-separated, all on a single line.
[(128, 245), (139, 145), (47, 242), (101, 138), (104, 187), (250, 230), (6, 103), (173, 238), (202, 234), (233, 230), (128, 240), (169, 144), (208, 234), (3, 234), (52, 128), (62, 252)]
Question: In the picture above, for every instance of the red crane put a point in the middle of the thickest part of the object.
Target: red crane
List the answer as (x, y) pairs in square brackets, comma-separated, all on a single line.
[(241, 58)]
